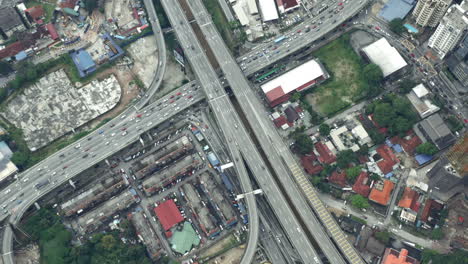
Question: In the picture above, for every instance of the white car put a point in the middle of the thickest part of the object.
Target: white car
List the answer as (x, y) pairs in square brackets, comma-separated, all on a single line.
[(25, 179), (149, 124), (113, 134), (8, 191)]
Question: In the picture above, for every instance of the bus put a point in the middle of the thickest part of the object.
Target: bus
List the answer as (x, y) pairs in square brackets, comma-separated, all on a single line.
[(268, 74)]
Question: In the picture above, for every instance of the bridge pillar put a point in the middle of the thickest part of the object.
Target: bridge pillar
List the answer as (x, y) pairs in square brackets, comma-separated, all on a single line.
[(149, 135), (72, 184), (142, 142)]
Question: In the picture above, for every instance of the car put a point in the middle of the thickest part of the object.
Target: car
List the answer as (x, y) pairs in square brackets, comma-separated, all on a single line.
[(53, 173), (62, 155), (101, 132), (189, 97), (150, 123), (172, 96), (123, 116), (113, 134), (85, 156), (139, 115), (66, 166), (123, 129), (86, 150), (179, 93), (90, 138), (172, 101), (124, 133), (107, 143), (377, 28), (412, 55), (8, 191), (78, 146), (112, 125), (299, 31)]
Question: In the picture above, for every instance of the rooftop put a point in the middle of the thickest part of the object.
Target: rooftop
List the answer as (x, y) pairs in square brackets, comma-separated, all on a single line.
[(311, 165), (409, 200), (268, 9), (389, 159), (392, 256), (435, 130), (324, 153), (168, 214), (182, 241), (396, 9), (385, 56), (361, 186), (338, 178), (381, 192), (9, 18)]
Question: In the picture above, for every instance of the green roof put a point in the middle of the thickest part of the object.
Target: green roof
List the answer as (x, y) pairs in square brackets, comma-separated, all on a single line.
[(183, 241)]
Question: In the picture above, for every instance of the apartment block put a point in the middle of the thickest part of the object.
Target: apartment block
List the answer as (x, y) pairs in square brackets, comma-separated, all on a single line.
[(428, 13)]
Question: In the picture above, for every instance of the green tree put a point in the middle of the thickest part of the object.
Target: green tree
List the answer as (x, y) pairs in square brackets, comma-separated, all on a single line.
[(296, 97), (5, 68), (90, 5), (359, 201), (376, 137), (383, 236), (427, 148), (373, 73), (437, 234), (324, 129), (353, 173), (374, 177), (345, 157), (304, 144), (384, 114), (396, 25), (315, 180), (20, 159), (407, 85)]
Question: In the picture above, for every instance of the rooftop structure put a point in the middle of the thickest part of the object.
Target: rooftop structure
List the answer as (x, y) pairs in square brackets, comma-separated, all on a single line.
[(409, 200), (311, 165), (10, 22), (83, 61), (184, 240), (7, 168), (396, 9), (338, 179), (385, 56), (343, 139), (388, 160), (34, 13), (324, 154), (11, 50), (287, 5), (168, 214), (241, 13), (252, 5), (381, 192), (362, 135), (362, 184), (52, 31), (268, 10), (420, 101), (392, 256), (450, 30), (429, 12), (435, 130), (300, 78)]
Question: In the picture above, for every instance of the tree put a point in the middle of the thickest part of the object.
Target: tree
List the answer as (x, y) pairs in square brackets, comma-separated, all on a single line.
[(5, 68), (345, 157), (20, 159), (383, 236), (373, 73), (384, 114), (437, 234), (303, 143), (407, 85), (353, 173), (427, 148), (374, 177), (324, 129), (296, 97), (359, 201), (315, 180), (90, 5), (396, 25)]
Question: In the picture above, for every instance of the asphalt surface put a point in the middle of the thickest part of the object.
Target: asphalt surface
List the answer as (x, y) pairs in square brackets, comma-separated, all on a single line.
[(102, 143), (269, 53), (161, 69)]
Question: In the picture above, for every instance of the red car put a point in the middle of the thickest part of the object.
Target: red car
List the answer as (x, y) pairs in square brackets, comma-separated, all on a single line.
[(299, 31), (123, 128), (340, 4), (377, 28), (171, 96), (171, 101), (66, 166), (179, 93), (139, 115), (412, 55), (188, 97)]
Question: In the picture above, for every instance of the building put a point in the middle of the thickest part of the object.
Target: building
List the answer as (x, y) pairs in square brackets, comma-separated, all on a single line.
[(386, 160), (338, 179), (7, 168), (279, 89), (361, 135), (184, 240), (450, 30), (450, 174), (392, 256), (409, 204), (311, 164), (362, 184), (10, 22), (381, 192), (35, 14), (458, 61), (252, 5), (385, 56), (168, 214), (420, 100), (287, 5), (343, 139), (434, 130), (268, 10), (52, 31), (241, 13), (396, 9), (83, 61), (324, 154), (429, 12)]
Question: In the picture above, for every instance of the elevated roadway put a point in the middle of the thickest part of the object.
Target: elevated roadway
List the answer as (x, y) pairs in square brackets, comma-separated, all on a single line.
[(237, 137), (278, 153)]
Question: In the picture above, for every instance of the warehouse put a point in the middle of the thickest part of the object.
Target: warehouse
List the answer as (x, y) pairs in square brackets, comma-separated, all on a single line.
[(300, 78), (385, 56), (168, 214), (268, 10)]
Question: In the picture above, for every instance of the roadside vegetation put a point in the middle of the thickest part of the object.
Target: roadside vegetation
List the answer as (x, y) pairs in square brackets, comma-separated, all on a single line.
[(54, 239), (48, 8), (433, 257), (350, 78)]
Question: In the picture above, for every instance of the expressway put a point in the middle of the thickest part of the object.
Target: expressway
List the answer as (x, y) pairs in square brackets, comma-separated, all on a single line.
[(161, 67), (281, 159), (60, 167), (269, 53), (237, 137)]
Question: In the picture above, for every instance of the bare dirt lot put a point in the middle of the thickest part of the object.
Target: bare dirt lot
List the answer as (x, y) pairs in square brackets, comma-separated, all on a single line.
[(28, 255), (144, 53)]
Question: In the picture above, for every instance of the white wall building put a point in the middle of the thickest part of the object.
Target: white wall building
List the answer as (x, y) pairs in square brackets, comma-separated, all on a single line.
[(420, 101), (429, 12), (450, 30), (385, 56), (268, 10)]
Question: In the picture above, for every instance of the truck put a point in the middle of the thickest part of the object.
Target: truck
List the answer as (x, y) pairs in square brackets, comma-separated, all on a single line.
[(279, 39), (42, 183)]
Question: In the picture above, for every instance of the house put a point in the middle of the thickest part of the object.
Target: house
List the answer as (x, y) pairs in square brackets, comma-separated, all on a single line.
[(392, 256), (386, 159), (434, 130), (430, 213), (291, 114), (35, 14), (408, 143), (409, 204), (381, 192), (324, 154), (311, 164), (338, 179), (419, 98), (362, 184), (343, 139)]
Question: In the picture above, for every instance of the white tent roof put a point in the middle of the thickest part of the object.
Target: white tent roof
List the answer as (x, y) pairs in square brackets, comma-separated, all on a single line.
[(295, 78), (420, 90), (385, 56), (240, 13), (268, 9)]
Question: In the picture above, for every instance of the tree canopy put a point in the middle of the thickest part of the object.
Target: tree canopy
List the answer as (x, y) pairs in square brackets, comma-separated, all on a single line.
[(432, 256), (345, 157), (397, 26), (304, 144), (407, 85), (359, 201), (373, 73), (383, 236), (353, 173), (324, 129), (5, 68), (427, 148)]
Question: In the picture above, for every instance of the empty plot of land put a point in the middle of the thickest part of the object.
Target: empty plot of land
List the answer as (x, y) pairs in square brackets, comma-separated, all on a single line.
[(121, 12), (145, 56), (53, 107)]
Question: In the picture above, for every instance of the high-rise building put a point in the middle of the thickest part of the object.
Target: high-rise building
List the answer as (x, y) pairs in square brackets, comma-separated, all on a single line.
[(450, 30), (458, 61), (450, 174), (429, 12)]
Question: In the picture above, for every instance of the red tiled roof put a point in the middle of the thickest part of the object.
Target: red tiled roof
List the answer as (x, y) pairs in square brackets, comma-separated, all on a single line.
[(52, 32), (389, 159), (409, 145), (35, 12), (338, 178), (325, 155), (409, 199), (11, 50), (428, 207), (363, 159), (382, 130), (68, 3), (277, 96), (382, 196), (361, 185), (308, 162), (281, 121), (168, 214), (299, 109), (391, 256), (289, 3)]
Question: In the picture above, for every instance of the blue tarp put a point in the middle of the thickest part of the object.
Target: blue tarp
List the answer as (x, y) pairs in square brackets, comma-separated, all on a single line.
[(387, 141), (397, 148), (422, 158), (227, 182), (389, 175), (21, 55), (396, 9)]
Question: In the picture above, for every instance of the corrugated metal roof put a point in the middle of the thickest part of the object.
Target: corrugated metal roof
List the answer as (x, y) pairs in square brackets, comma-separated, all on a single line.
[(385, 56)]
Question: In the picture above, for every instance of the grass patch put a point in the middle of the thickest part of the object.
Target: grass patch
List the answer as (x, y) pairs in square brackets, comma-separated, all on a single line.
[(162, 17), (346, 83), (48, 8), (222, 24)]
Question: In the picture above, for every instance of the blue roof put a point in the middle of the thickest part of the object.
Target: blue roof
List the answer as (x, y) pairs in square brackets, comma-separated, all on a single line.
[(83, 62), (397, 148), (21, 55), (389, 175), (422, 158), (396, 9), (227, 182)]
